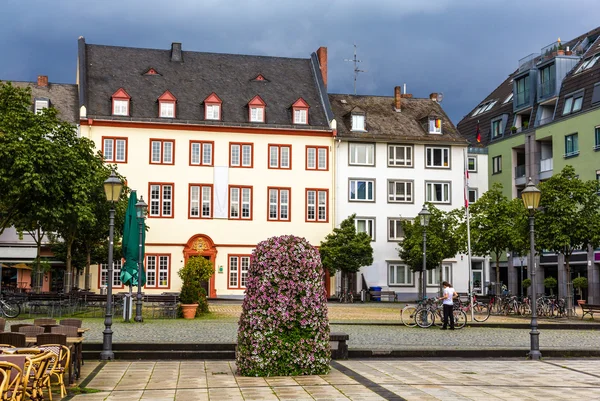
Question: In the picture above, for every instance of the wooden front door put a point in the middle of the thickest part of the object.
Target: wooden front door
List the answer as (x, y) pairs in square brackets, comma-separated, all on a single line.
[(202, 245)]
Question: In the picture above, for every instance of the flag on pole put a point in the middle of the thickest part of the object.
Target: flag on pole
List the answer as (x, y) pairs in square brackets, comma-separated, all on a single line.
[(478, 133)]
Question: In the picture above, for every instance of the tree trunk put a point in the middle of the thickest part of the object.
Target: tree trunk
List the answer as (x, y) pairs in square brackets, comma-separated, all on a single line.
[(69, 263), (497, 268), (570, 309), (38, 243), (88, 262)]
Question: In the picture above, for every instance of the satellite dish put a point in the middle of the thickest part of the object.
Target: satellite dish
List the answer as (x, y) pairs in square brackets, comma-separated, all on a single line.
[(440, 97)]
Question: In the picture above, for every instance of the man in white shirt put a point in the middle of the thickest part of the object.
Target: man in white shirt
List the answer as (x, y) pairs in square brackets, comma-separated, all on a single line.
[(448, 303)]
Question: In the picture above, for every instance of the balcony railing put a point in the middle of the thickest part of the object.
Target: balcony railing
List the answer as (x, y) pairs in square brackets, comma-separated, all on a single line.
[(547, 89), (545, 120), (527, 62), (546, 165), (522, 99), (547, 51), (520, 171)]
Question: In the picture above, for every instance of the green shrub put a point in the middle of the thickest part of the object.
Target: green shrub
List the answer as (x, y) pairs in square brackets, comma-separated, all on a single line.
[(284, 329), (526, 283), (196, 270)]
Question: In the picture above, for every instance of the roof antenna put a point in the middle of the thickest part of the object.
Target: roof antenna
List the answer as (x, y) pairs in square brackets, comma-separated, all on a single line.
[(356, 70)]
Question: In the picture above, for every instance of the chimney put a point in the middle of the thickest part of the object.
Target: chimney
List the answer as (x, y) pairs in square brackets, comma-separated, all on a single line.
[(322, 55), (42, 80), (397, 98), (433, 97), (406, 95), (176, 52)]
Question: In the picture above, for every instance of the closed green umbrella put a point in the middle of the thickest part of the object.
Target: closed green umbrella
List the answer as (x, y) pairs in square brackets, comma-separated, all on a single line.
[(131, 242)]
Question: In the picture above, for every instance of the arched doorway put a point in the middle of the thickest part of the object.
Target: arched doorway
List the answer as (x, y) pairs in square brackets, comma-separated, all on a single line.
[(202, 245)]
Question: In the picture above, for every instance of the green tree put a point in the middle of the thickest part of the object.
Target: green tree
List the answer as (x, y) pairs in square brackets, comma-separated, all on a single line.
[(346, 250), (492, 228), (569, 222), (443, 240)]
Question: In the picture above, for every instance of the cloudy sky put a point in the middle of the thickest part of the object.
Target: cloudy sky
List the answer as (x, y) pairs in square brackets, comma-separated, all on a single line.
[(462, 48)]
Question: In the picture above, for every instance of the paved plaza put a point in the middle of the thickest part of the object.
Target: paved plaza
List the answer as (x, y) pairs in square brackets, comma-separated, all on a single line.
[(400, 379)]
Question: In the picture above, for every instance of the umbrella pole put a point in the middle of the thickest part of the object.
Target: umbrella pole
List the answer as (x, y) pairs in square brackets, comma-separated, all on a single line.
[(127, 307)]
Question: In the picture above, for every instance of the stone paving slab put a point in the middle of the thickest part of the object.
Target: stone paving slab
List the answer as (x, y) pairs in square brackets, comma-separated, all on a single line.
[(416, 379)]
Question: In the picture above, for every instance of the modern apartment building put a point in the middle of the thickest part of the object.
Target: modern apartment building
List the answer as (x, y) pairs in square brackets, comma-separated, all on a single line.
[(544, 116)]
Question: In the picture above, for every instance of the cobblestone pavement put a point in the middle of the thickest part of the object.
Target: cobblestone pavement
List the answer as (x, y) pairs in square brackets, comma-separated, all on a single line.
[(506, 379)]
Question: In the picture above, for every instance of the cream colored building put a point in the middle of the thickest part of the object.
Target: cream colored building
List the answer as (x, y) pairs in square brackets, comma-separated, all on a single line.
[(227, 150)]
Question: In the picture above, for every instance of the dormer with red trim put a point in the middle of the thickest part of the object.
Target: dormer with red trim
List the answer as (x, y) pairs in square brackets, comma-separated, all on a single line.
[(167, 105), (300, 111), (256, 110), (212, 107), (260, 78), (120, 103), (151, 71)]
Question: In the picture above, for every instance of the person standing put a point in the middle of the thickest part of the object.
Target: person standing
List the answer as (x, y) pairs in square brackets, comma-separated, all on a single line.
[(448, 304)]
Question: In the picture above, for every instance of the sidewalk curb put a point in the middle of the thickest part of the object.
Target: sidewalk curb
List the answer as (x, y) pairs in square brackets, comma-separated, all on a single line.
[(542, 326), (469, 353)]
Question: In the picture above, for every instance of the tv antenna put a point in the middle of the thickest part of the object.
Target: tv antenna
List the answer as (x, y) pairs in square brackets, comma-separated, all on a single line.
[(356, 69)]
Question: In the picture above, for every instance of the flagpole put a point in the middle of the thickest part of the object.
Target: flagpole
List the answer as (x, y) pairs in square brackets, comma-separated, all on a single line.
[(466, 178)]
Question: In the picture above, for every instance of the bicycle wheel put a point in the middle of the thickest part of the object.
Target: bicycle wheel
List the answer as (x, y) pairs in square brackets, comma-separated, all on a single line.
[(525, 309), (424, 318), (460, 318), (438, 317), (481, 312), (350, 298), (407, 316), (10, 308)]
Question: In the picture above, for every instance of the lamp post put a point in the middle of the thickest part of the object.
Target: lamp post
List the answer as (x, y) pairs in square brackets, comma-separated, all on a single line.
[(424, 216), (531, 199), (112, 189), (140, 208)]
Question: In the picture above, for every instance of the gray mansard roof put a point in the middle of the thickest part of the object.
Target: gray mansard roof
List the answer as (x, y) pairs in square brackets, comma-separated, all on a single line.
[(105, 69)]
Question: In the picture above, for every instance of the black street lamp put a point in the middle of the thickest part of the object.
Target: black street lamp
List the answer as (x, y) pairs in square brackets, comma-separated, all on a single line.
[(112, 189), (140, 208), (531, 199), (424, 215)]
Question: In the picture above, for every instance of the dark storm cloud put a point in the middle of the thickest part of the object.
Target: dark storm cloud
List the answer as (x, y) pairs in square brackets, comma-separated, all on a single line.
[(461, 48)]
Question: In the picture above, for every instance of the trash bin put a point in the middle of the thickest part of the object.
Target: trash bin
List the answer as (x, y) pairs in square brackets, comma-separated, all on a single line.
[(376, 299), (363, 295)]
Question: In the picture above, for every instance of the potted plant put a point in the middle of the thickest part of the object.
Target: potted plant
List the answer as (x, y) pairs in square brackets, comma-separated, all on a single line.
[(551, 283), (561, 51), (580, 283), (196, 270), (525, 124), (526, 284), (513, 129)]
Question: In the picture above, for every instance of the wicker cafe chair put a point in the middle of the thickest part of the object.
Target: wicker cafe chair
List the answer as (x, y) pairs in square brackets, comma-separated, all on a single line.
[(31, 331), (51, 338), (69, 331), (35, 375), (15, 339), (2, 323), (71, 322), (44, 320), (58, 366), (4, 378), (16, 327), (12, 390)]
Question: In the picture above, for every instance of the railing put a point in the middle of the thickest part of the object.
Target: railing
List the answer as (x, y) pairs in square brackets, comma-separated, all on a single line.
[(547, 88), (520, 171), (546, 165), (546, 51), (527, 62), (545, 120), (571, 154), (522, 99)]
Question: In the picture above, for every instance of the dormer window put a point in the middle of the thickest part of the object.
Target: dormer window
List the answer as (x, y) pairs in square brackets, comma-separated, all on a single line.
[(167, 105), (212, 107), (120, 103), (435, 125), (300, 111), (256, 110), (40, 104), (358, 122)]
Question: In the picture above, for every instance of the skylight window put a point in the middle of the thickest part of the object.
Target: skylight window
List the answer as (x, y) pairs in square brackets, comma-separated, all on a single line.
[(508, 99), (484, 107), (588, 63)]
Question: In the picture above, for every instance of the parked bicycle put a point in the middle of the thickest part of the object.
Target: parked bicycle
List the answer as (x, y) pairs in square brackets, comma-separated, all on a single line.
[(9, 308), (345, 296), (481, 311)]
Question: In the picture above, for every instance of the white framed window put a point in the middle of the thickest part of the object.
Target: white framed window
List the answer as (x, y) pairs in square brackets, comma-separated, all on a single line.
[(395, 230), (316, 205), (161, 151), (213, 111), (437, 157), (433, 275), (435, 125), (40, 104), (167, 109), (361, 190), (201, 153), (437, 192), (116, 278), (399, 274), (365, 225), (280, 156), (400, 191), (120, 107), (317, 158), (362, 154), (400, 155), (300, 116), (472, 164), (200, 201), (473, 195), (279, 204), (157, 271), (161, 200), (573, 103), (257, 114), (240, 155), (115, 150), (358, 122), (496, 164), (238, 270), (240, 202)]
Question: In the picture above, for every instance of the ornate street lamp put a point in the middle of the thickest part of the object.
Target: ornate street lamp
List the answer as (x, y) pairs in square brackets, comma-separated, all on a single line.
[(112, 188), (424, 216), (141, 207), (531, 199)]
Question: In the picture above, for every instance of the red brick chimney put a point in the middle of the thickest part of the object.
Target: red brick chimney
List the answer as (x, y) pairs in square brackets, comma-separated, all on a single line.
[(322, 55), (433, 97), (397, 98), (42, 80)]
